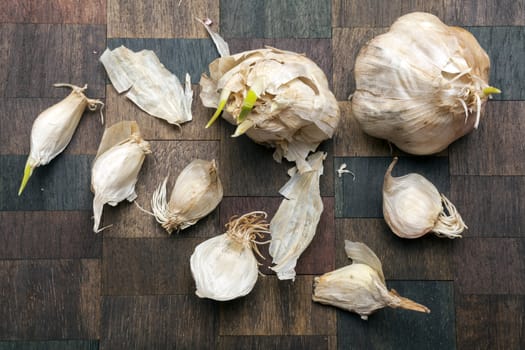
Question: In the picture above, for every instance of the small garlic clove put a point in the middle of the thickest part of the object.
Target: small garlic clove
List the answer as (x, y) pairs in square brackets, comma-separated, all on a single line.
[(360, 287), (413, 207)]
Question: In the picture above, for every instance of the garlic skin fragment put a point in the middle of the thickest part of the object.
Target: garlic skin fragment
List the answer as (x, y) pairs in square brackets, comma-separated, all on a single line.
[(412, 207), (279, 98), (421, 85), (224, 267), (116, 167), (197, 192), (360, 287), (295, 223), (53, 129)]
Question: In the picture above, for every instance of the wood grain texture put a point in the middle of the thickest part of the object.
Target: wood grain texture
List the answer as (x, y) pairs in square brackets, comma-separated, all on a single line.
[(402, 329), (275, 19), (297, 316), (490, 205), (54, 11), (496, 147), (119, 107), (168, 158), (485, 13), (490, 266), (50, 345), (159, 19), (310, 342), (363, 197), (316, 259), (506, 49), (427, 258), (17, 117), (158, 322), (148, 266), (48, 235), (50, 299), (179, 56), (346, 43), (490, 321), (40, 55), (63, 184)]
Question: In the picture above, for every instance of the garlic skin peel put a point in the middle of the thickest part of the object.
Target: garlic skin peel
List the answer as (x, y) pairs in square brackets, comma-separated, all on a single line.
[(421, 85), (295, 223), (360, 287), (53, 129), (279, 98), (412, 207), (224, 267), (197, 192), (116, 167)]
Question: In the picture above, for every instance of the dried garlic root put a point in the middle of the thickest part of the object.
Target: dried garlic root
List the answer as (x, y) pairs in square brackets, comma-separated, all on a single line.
[(413, 207), (53, 129), (116, 167), (197, 192), (224, 267), (360, 287)]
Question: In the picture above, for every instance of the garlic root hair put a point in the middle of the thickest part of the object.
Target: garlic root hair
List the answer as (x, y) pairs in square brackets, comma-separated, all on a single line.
[(449, 225)]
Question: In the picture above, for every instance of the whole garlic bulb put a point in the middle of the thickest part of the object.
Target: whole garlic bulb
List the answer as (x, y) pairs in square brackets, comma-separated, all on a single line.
[(421, 85), (413, 207), (197, 192), (225, 267), (360, 287), (278, 98)]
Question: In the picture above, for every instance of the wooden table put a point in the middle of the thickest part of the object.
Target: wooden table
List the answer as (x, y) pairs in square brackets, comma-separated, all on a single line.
[(64, 287)]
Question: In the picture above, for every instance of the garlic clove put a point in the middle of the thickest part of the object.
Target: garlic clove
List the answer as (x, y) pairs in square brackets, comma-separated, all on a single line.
[(413, 207)]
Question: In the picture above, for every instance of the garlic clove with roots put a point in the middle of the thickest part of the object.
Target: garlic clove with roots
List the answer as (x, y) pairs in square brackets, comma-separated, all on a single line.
[(413, 207), (197, 192), (224, 267), (53, 129), (360, 287)]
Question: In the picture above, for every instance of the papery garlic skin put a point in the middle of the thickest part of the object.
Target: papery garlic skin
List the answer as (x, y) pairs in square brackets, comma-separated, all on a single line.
[(278, 98), (53, 129), (115, 173), (225, 267), (360, 287), (197, 192), (412, 207), (421, 85)]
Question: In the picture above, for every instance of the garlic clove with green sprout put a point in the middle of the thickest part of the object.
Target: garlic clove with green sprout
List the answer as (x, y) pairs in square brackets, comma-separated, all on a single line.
[(421, 85), (413, 207), (360, 287), (224, 267), (197, 192), (53, 129), (116, 167)]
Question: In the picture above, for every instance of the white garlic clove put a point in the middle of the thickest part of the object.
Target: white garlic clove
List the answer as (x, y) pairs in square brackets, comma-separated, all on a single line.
[(53, 129), (225, 267), (197, 192), (360, 287), (413, 207)]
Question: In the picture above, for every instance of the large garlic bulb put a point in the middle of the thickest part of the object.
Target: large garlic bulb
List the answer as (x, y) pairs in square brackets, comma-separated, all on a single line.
[(413, 207), (224, 267), (360, 287), (278, 98), (421, 85)]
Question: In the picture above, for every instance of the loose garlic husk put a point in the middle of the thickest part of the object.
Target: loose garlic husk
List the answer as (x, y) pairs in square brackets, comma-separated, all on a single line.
[(197, 192), (53, 129), (360, 287), (224, 267), (421, 85), (413, 207), (116, 167)]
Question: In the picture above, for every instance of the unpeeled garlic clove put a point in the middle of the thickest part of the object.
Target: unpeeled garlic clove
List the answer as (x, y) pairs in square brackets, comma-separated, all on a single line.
[(360, 287), (53, 129), (197, 192), (413, 207)]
